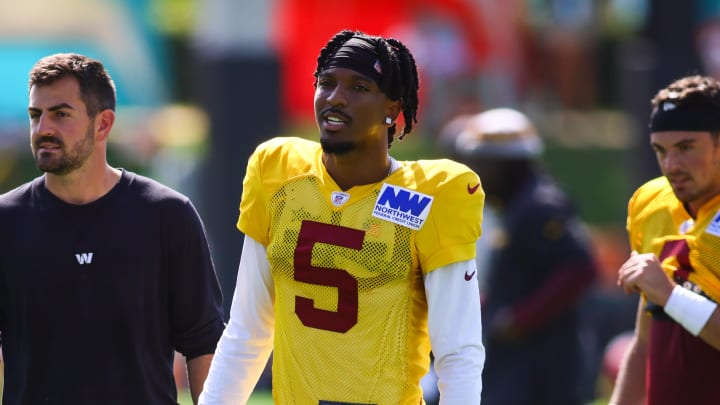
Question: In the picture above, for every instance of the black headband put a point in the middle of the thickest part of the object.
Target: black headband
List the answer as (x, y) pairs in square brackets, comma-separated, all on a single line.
[(358, 54), (692, 114)]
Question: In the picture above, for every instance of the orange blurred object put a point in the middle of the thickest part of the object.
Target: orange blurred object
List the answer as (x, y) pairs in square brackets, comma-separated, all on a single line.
[(303, 27)]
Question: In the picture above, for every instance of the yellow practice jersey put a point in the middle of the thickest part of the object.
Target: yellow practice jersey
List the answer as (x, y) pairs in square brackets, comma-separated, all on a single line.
[(350, 308), (688, 248)]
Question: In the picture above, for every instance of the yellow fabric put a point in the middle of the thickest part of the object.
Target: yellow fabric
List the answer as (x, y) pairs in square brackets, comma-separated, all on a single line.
[(350, 308), (655, 219)]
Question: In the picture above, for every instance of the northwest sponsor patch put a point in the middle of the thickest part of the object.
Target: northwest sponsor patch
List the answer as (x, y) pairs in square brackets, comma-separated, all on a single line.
[(714, 227), (402, 206)]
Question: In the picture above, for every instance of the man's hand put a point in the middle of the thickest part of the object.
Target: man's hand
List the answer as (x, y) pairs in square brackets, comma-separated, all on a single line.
[(643, 273)]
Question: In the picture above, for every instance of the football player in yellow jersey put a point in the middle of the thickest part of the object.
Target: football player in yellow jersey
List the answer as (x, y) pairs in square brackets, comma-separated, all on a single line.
[(674, 230), (355, 265)]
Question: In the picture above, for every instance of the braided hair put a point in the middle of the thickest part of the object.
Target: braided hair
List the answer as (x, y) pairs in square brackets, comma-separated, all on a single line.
[(399, 73)]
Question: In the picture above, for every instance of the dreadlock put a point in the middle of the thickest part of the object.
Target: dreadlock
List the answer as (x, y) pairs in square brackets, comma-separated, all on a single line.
[(399, 73)]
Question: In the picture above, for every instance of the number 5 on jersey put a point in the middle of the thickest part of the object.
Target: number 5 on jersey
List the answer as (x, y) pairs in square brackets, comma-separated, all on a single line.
[(347, 286)]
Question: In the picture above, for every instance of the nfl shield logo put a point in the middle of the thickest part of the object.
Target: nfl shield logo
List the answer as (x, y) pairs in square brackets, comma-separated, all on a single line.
[(339, 198)]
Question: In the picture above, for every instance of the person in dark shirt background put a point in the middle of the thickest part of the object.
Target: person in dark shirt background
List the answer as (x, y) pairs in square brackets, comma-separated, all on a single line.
[(539, 264)]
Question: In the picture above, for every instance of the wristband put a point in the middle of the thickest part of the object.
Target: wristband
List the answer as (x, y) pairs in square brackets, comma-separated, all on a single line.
[(689, 309)]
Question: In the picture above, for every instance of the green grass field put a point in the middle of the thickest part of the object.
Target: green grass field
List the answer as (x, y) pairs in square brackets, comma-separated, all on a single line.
[(262, 397)]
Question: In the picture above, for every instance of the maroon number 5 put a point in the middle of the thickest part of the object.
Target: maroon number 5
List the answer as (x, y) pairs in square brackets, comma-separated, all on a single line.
[(347, 287)]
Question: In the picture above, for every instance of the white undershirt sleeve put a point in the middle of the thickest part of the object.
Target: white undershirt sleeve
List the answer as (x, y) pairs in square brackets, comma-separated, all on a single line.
[(455, 329), (246, 343)]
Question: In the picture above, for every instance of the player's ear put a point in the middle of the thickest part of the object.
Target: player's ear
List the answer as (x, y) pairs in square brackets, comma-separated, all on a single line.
[(392, 111), (104, 121)]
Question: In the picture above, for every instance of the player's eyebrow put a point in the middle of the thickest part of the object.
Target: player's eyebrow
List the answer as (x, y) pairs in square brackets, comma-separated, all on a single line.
[(55, 107)]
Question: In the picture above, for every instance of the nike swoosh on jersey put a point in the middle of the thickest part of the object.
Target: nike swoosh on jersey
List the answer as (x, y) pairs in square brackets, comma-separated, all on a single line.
[(473, 189), (469, 277)]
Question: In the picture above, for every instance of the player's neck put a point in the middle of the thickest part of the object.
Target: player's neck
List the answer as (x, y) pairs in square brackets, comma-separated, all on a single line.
[(83, 185), (349, 171)]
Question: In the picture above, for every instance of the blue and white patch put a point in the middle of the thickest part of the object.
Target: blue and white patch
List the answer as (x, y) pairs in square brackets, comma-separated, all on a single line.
[(339, 198), (714, 227), (686, 226), (402, 206)]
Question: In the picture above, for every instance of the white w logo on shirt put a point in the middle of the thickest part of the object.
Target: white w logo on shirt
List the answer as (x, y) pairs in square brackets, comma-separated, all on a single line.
[(84, 258)]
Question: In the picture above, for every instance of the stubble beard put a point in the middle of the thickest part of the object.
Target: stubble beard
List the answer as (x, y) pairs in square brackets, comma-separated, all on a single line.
[(68, 161), (336, 148)]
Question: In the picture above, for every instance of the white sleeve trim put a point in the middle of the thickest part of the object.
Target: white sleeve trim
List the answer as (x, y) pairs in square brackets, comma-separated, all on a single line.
[(455, 328), (246, 343)]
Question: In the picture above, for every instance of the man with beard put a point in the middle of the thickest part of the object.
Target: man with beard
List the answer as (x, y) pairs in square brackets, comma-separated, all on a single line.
[(355, 265), (98, 265), (673, 226)]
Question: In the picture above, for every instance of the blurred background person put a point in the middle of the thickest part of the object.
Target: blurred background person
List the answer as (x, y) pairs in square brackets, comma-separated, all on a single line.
[(539, 264)]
